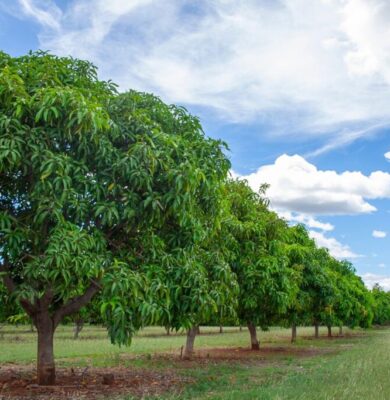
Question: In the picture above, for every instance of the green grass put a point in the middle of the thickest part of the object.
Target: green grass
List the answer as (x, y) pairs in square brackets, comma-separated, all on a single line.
[(360, 370), (356, 367), (93, 343)]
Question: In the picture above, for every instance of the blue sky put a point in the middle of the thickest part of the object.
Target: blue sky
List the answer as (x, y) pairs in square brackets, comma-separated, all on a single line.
[(300, 91)]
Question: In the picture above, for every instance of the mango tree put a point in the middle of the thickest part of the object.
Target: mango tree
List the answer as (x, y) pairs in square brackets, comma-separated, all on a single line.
[(265, 280), (299, 250), (193, 285), (322, 290), (88, 179), (354, 304), (381, 305), (347, 301)]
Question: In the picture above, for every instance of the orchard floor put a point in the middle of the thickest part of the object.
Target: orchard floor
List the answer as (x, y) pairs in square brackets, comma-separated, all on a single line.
[(355, 365)]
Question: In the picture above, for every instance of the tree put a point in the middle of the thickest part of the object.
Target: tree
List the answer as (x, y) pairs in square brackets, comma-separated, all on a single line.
[(193, 286), (89, 180), (381, 306), (353, 305), (259, 260), (299, 249)]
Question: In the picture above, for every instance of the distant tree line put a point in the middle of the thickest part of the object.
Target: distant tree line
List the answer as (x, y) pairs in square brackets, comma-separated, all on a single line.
[(115, 208)]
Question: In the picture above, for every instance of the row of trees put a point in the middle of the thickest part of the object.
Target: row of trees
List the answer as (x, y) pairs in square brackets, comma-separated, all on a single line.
[(118, 202)]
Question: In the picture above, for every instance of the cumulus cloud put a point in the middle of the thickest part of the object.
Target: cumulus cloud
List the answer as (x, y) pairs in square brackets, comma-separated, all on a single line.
[(323, 64), (387, 155), (299, 186), (336, 249), (371, 279), (379, 234)]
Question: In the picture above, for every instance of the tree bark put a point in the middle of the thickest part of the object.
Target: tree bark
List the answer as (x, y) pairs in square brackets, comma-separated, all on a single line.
[(220, 329), (340, 330), (189, 349), (46, 324), (45, 364), (74, 305), (168, 330), (255, 345), (240, 328), (79, 324), (198, 330), (316, 331), (329, 331), (293, 333)]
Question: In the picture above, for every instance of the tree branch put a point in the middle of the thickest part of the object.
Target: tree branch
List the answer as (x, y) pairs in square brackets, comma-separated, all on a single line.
[(11, 287), (46, 299), (76, 303), (8, 281)]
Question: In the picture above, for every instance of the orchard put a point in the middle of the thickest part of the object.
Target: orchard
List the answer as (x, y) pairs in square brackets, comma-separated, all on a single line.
[(116, 209)]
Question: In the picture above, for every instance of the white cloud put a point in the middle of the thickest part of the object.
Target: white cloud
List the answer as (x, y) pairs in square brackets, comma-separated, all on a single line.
[(324, 64), (346, 137), (382, 265), (371, 279), (298, 186), (336, 249), (387, 155), (44, 12), (379, 234), (307, 220)]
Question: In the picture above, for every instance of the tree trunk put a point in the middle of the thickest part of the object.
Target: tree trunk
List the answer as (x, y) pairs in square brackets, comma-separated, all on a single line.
[(189, 350), (45, 364), (168, 330), (316, 331), (329, 331), (198, 330), (255, 345), (340, 330), (293, 333), (240, 328), (220, 329), (79, 324)]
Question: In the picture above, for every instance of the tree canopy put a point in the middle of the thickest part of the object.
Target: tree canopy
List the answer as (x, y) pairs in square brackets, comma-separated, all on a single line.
[(121, 199), (91, 180)]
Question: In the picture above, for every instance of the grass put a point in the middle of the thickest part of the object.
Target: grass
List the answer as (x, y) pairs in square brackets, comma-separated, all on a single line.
[(93, 343), (359, 370), (356, 367)]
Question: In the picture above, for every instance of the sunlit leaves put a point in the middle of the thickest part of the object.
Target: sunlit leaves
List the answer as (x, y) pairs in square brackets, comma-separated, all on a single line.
[(97, 185), (266, 281)]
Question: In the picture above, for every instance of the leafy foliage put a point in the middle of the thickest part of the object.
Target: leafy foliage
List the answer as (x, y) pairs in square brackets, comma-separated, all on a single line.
[(92, 184), (123, 195), (258, 258)]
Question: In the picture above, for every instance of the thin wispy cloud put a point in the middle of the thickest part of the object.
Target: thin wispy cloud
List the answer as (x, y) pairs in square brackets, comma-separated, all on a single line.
[(347, 137), (313, 67), (44, 12)]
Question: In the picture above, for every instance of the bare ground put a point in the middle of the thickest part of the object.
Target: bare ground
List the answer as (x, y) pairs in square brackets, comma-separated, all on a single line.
[(19, 382)]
